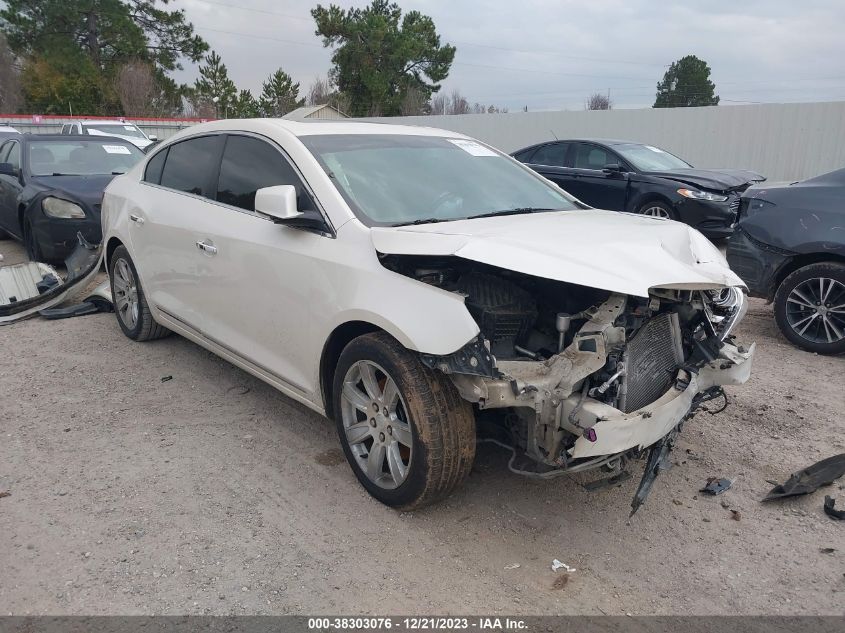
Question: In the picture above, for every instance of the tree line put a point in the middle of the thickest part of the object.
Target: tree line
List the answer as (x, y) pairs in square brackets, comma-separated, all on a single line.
[(115, 57)]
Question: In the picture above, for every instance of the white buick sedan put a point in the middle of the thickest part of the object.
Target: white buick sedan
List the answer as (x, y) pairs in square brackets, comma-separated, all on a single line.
[(422, 289)]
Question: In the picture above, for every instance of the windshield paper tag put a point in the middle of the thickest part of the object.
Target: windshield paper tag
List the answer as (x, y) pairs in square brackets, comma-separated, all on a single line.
[(116, 149), (131, 128), (471, 147)]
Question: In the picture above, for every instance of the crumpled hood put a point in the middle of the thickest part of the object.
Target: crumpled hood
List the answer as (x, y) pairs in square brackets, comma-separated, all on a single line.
[(713, 179), (85, 189), (619, 252)]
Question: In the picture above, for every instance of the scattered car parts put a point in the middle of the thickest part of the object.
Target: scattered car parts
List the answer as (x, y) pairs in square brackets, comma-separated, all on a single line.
[(809, 479), (23, 279), (716, 486), (831, 511)]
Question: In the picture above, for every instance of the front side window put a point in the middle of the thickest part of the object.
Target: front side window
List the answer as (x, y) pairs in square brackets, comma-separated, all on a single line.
[(649, 158), (190, 165), (592, 157), (13, 157), (397, 178), (250, 164), (65, 157), (553, 154)]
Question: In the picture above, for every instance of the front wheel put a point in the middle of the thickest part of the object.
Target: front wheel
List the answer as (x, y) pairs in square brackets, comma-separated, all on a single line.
[(407, 434), (810, 308), (30, 243), (130, 303), (657, 209)]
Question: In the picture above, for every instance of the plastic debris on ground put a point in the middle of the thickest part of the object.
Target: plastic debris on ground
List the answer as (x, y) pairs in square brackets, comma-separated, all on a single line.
[(716, 485), (556, 564), (809, 479), (831, 511)]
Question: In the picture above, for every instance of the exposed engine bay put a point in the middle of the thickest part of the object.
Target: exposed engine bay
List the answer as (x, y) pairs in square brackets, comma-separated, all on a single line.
[(583, 378)]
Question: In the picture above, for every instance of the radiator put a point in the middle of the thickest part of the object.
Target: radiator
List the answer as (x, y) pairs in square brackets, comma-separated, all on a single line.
[(652, 359)]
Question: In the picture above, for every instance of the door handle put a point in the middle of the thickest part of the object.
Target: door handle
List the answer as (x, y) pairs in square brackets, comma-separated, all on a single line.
[(209, 248), (137, 219)]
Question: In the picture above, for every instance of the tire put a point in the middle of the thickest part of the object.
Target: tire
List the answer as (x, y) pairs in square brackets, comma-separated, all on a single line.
[(130, 304), (440, 451), (30, 243), (658, 209), (810, 308)]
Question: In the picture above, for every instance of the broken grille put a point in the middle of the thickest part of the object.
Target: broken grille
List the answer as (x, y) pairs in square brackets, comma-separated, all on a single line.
[(652, 359)]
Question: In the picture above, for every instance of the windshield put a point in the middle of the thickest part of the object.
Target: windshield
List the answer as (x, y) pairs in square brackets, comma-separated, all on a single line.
[(81, 158), (397, 179), (114, 129), (649, 158)]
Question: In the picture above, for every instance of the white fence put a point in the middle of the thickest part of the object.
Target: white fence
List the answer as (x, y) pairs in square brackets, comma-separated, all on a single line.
[(781, 141)]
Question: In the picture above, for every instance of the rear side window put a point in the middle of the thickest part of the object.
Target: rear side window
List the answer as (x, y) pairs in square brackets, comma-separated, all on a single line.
[(553, 154), (592, 157), (524, 156), (250, 164), (191, 165), (154, 168)]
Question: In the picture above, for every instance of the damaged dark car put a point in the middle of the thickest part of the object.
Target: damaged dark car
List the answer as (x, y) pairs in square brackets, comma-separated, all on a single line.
[(638, 178), (51, 189), (789, 248)]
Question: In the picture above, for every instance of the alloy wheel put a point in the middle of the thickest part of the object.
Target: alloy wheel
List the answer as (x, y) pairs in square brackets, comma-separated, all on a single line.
[(656, 212), (815, 310), (376, 424), (125, 294)]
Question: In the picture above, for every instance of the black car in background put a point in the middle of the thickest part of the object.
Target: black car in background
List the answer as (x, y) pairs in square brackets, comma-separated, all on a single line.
[(627, 176), (51, 187), (789, 248)]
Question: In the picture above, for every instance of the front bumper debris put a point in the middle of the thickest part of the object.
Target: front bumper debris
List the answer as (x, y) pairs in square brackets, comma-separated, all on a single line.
[(618, 432)]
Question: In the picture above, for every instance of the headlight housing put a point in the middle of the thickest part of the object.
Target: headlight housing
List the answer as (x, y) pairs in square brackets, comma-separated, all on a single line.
[(702, 195), (62, 209)]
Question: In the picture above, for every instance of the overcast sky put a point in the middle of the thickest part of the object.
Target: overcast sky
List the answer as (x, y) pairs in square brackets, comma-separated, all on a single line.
[(551, 54)]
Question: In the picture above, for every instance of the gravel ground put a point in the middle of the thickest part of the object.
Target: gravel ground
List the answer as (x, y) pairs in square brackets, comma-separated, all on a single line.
[(211, 493)]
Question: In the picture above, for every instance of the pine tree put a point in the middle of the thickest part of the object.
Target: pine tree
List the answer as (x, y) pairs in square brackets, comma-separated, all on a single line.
[(214, 86), (279, 95)]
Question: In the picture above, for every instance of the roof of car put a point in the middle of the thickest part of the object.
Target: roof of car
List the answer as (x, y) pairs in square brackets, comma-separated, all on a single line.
[(314, 127), (73, 137), (104, 122)]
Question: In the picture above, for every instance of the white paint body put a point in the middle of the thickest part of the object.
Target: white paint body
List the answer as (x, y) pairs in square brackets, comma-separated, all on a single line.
[(271, 296)]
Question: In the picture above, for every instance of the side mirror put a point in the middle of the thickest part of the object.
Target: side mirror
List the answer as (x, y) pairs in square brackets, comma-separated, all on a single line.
[(7, 169), (612, 168), (153, 137), (279, 203)]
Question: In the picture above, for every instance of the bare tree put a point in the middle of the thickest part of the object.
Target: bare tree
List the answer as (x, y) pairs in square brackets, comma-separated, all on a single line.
[(413, 103), (324, 92), (137, 89), (599, 101), (11, 90)]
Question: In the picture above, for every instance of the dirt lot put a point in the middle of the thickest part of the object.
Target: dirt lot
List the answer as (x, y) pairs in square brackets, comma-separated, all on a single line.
[(212, 493)]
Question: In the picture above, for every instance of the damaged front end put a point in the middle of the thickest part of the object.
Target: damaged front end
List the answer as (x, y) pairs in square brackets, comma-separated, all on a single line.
[(584, 378)]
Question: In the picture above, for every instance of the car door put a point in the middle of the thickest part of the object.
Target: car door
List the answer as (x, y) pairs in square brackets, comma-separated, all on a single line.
[(257, 295), (553, 161), (167, 221), (592, 183), (10, 187)]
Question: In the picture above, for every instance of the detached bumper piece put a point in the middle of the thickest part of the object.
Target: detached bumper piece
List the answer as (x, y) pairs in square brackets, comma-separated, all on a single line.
[(82, 266)]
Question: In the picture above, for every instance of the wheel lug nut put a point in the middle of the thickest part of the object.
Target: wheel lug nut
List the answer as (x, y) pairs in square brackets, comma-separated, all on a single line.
[(390, 430), (381, 437), (372, 422)]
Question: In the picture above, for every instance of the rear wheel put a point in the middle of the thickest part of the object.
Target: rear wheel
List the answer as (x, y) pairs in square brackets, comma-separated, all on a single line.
[(407, 434), (810, 308), (658, 209), (130, 304)]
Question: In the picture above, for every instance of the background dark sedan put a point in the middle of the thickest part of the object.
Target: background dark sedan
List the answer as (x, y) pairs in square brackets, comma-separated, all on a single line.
[(789, 247), (627, 176), (51, 187)]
